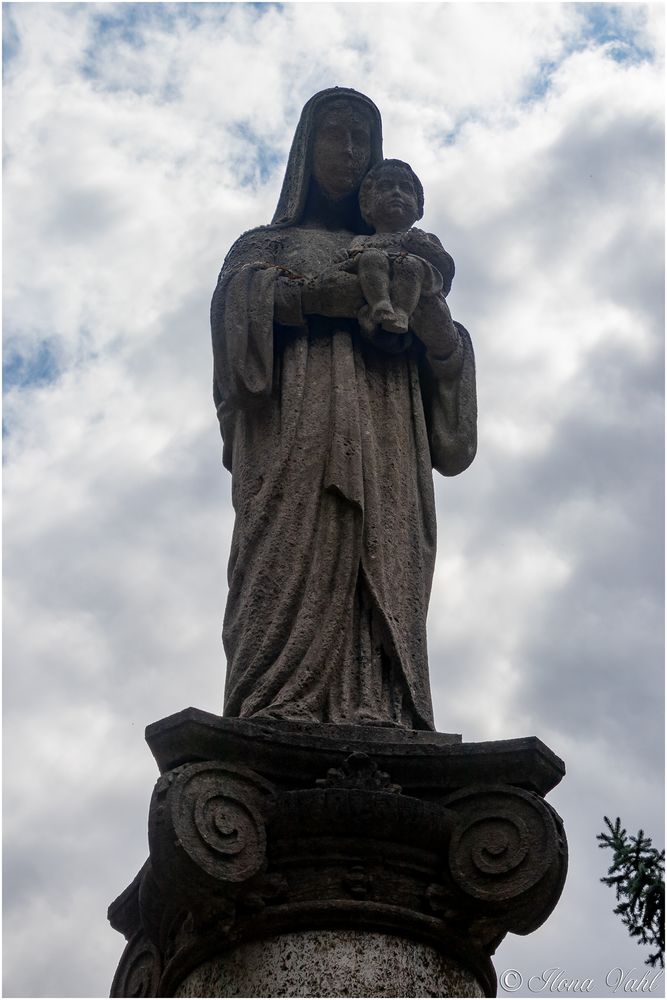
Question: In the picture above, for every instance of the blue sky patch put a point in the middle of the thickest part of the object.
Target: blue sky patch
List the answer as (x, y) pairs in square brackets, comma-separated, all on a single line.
[(267, 158), (604, 23), (125, 25), (10, 38), (36, 368)]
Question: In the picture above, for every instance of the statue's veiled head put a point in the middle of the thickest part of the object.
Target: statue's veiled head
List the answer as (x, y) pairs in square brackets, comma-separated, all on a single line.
[(339, 136)]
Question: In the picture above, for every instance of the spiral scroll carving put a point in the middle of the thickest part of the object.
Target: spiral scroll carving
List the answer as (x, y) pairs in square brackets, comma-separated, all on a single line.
[(503, 843), (207, 826), (139, 970)]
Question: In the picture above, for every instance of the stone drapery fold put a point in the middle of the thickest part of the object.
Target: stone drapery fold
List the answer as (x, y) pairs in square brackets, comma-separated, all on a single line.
[(331, 445)]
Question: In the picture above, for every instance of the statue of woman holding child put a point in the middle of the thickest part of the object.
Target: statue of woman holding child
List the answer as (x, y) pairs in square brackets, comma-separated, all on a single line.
[(340, 382)]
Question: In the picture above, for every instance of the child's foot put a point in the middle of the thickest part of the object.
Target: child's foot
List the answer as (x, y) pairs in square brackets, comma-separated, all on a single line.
[(398, 323), (383, 313)]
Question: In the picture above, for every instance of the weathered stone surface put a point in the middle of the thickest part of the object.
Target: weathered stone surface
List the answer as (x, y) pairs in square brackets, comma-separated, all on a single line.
[(207, 828), (318, 835), (331, 435), (296, 754), (138, 974), (331, 963)]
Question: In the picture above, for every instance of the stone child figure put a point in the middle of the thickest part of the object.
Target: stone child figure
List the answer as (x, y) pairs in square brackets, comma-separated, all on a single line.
[(331, 441), (398, 264)]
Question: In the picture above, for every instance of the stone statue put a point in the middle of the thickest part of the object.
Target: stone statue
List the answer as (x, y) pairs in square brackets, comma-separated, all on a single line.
[(332, 425), (366, 857)]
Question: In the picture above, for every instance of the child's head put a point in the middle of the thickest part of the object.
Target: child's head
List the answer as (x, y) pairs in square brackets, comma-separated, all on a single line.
[(391, 197)]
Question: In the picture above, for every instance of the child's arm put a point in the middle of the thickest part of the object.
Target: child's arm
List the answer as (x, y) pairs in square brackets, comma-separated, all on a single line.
[(429, 247)]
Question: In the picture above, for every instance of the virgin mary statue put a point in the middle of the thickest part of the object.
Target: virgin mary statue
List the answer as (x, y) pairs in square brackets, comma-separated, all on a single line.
[(331, 444)]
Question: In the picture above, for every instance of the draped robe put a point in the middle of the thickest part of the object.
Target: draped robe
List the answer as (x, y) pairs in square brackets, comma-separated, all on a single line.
[(331, 445)]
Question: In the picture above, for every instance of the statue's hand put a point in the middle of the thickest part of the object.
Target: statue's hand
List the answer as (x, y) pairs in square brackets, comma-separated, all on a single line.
[(416, 241), (433, 325), (333, 293)]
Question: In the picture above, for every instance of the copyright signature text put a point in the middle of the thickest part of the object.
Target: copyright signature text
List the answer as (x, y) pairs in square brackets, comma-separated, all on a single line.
[(556, 980)]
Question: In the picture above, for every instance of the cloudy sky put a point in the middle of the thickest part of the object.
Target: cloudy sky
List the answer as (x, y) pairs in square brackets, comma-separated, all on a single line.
[(140, 140)]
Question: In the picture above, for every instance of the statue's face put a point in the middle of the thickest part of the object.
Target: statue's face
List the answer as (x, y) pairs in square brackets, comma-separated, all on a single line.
[(342, 149), (392, 200)]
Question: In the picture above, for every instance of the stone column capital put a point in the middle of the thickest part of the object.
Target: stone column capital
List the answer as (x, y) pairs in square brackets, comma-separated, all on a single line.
[(319, 836)]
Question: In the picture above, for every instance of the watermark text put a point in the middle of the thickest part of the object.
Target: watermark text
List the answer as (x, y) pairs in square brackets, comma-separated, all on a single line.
[(617, 981)]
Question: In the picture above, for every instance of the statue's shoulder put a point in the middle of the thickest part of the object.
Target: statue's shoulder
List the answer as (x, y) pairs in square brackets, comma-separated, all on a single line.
[(259, 236), (261, 243)]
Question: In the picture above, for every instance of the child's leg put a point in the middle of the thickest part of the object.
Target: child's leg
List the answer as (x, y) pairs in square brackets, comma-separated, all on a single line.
[(373, 271), (405, 289)]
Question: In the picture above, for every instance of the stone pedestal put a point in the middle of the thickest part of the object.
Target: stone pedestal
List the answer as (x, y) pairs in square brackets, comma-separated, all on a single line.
[(298, 860), (331, 963)]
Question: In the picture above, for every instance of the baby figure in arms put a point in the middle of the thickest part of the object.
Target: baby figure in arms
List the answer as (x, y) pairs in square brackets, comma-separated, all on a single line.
[(397, 265)]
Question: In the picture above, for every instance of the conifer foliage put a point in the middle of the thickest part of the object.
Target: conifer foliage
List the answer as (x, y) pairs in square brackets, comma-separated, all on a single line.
[(637, 874)]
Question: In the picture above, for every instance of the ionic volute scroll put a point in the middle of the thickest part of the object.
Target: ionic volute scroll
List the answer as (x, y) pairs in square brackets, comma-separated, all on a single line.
[(207, 831), (507, 854)]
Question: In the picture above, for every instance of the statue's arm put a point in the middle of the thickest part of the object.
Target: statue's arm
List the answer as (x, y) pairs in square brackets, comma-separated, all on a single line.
[(253, 292), (447, 374), (335, 292), (432, 324), (428, 246)]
